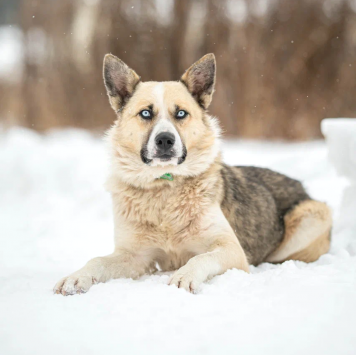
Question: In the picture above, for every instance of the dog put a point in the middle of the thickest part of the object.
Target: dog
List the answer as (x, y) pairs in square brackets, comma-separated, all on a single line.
[(176, 205)]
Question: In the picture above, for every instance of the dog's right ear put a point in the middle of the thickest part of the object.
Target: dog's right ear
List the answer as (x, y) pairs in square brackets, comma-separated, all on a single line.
[(120, 81), (200, 80)]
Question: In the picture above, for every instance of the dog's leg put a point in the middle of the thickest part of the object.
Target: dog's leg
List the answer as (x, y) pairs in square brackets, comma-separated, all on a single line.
[(122, 263), (223, 252), (307, 233)]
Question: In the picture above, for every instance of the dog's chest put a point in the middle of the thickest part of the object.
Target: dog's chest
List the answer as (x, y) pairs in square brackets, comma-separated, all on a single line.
[(169, 222), (167, 215)]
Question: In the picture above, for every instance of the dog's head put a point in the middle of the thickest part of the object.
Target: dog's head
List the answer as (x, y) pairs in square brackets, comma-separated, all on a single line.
[(161, 127)]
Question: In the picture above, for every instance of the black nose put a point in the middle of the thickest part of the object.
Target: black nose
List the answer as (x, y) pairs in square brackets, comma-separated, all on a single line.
[(165, 142)]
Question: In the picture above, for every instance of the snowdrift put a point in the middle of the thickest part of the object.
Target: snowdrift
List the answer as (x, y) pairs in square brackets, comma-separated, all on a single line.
[(55, 216)]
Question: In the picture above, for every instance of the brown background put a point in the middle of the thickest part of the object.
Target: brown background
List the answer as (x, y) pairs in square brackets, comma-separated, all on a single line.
[(283, 65)]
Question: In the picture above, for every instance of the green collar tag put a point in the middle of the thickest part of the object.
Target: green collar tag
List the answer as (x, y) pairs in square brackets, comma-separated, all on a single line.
[(167, 177)]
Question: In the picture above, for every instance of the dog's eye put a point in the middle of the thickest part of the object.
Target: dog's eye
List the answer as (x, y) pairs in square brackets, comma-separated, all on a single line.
[(181, 114), (146, 114)]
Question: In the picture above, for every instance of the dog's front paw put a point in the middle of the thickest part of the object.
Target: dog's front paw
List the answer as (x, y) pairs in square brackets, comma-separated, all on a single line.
[(187, 278), (74, 284)]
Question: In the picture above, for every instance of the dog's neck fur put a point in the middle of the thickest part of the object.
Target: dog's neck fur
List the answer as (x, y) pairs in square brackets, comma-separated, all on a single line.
[(115, 183), (157, 204)]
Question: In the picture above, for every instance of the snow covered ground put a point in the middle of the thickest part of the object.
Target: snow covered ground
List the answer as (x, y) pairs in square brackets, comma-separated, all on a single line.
[(55, 215)]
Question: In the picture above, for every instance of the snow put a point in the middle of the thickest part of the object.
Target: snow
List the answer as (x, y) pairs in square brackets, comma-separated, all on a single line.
[(341, 139), (56, 215), (340, 134)]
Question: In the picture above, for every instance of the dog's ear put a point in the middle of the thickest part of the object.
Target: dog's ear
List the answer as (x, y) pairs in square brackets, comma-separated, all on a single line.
[(200, 79), (120, 81)]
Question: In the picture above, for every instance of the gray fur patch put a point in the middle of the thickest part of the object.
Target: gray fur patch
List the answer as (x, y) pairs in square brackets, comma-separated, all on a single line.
[(255, 202)]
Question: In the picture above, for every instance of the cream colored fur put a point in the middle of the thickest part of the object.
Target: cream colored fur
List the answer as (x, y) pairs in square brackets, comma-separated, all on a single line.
[(307, 233)]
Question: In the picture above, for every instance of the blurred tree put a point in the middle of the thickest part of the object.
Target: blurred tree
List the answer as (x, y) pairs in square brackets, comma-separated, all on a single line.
[(283, 65)]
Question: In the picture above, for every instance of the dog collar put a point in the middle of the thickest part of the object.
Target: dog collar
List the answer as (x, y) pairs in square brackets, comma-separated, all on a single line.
[(167, 176)]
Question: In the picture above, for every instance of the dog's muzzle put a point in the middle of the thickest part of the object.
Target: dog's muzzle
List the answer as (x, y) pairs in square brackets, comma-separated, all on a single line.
[(165, 151)]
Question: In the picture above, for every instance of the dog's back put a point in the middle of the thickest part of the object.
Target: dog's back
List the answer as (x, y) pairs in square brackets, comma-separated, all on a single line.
[(256, 202)]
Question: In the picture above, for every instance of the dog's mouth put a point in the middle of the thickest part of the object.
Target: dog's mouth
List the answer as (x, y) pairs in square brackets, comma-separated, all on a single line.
[(164, 159)]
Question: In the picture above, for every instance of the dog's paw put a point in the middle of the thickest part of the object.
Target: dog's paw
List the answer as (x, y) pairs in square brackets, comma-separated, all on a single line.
[(74, 284), (186, 278)]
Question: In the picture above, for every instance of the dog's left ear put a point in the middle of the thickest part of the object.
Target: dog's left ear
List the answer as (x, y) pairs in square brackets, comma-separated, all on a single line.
[(120, 81), (200, 80)]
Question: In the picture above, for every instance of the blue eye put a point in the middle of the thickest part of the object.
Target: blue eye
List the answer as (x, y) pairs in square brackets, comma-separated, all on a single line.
[(146, 114), (181, 114)]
